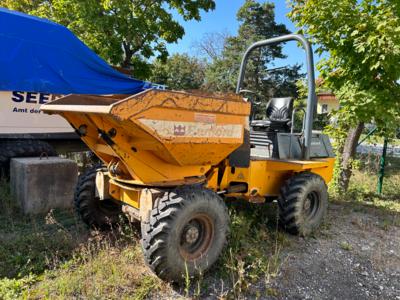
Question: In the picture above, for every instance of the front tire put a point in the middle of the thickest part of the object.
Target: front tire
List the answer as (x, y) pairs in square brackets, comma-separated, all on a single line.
[(185, 233), (303, 203), (95, 213)]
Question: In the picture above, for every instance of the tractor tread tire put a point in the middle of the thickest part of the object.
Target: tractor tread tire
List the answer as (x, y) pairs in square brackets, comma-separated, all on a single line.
[(21, 148), (291, 201), (163, 219), (87, 206)]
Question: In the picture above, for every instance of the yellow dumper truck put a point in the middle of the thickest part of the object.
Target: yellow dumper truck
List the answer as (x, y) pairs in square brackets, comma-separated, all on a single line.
[(169, 158)]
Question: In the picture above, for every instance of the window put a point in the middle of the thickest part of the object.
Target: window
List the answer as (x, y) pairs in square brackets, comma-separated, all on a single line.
[(324, 108)]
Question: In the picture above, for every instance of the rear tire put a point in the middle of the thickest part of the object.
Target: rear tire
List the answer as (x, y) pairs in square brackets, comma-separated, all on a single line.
[(185, 233), (95, 213), (21, 148), (303, 203)]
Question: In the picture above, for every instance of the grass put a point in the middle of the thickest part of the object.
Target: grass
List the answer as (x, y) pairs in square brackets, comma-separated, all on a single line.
[(346, 246), (254, 248), (55, 256), (95, 272), (362, 193), (62, 260), (31, 245), (363, 185)]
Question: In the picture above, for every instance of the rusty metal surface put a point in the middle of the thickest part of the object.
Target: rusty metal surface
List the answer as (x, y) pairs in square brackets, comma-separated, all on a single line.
[(160, 137), (137, 104)]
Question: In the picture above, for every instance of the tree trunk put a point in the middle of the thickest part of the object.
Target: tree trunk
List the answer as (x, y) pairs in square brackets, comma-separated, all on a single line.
[(126, 63), (348, 154), (128, 53)]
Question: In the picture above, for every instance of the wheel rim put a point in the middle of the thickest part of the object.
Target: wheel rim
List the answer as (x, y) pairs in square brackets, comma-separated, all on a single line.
[(311, 205), (196, 237)]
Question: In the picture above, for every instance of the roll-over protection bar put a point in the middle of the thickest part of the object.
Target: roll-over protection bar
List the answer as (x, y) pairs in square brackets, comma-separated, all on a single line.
[(311, 99)]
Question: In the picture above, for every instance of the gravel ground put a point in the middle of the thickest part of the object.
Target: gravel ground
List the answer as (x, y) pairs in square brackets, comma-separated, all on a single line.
[(356, 255)]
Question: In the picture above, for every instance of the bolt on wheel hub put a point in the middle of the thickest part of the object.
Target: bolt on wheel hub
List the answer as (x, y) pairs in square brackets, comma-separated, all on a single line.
[(196, 237), (192, 234)]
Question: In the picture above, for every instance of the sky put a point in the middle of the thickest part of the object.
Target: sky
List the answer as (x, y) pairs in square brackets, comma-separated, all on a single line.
[(223, 18)]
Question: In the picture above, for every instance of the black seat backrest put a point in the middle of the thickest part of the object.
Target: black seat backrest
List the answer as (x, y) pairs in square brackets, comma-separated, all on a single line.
[(280, 109)]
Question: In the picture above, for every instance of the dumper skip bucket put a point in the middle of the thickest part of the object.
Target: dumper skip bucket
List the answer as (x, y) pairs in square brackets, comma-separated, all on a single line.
[(157, 137)]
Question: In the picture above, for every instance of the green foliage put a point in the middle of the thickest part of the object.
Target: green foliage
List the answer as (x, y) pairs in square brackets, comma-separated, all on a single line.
[(300, 104), (123, 32), (148, 285), (254, 247), (321, 121), (362, 39), (302, 93), (180, 71), (257, 22), (362, 188), (54, 257), (31, 246), (11, 289), (346, 246), (101, 269), (7, 203)]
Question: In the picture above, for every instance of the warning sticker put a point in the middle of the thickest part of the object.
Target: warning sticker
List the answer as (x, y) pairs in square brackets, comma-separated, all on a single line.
[(170, 129)]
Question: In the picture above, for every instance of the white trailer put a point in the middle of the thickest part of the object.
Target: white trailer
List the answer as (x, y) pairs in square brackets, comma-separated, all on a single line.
[(20, 115), (26, 131)]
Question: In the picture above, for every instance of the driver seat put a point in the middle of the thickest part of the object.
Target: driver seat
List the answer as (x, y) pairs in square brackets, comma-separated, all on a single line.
[(279, 119), (279, 115)]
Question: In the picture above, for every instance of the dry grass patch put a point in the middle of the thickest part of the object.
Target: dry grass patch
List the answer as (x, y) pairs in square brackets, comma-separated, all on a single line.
[(109, 271)]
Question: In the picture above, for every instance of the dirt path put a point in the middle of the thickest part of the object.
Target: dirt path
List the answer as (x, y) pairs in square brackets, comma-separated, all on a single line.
[(355, 256)]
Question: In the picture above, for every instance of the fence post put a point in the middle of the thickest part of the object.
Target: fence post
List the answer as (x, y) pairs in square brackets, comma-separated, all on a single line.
[(382, 166)]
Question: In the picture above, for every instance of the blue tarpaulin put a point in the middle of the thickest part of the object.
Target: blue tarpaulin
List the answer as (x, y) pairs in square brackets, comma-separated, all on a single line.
[(37, 55)]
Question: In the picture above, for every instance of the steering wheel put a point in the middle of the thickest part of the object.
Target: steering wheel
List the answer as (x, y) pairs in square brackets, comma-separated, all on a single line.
[(254, 103)]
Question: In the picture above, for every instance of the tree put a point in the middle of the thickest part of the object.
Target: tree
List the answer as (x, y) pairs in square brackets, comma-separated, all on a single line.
[(180, 71), (124, 32), (257, 22), (362, 39), (211, 45)]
